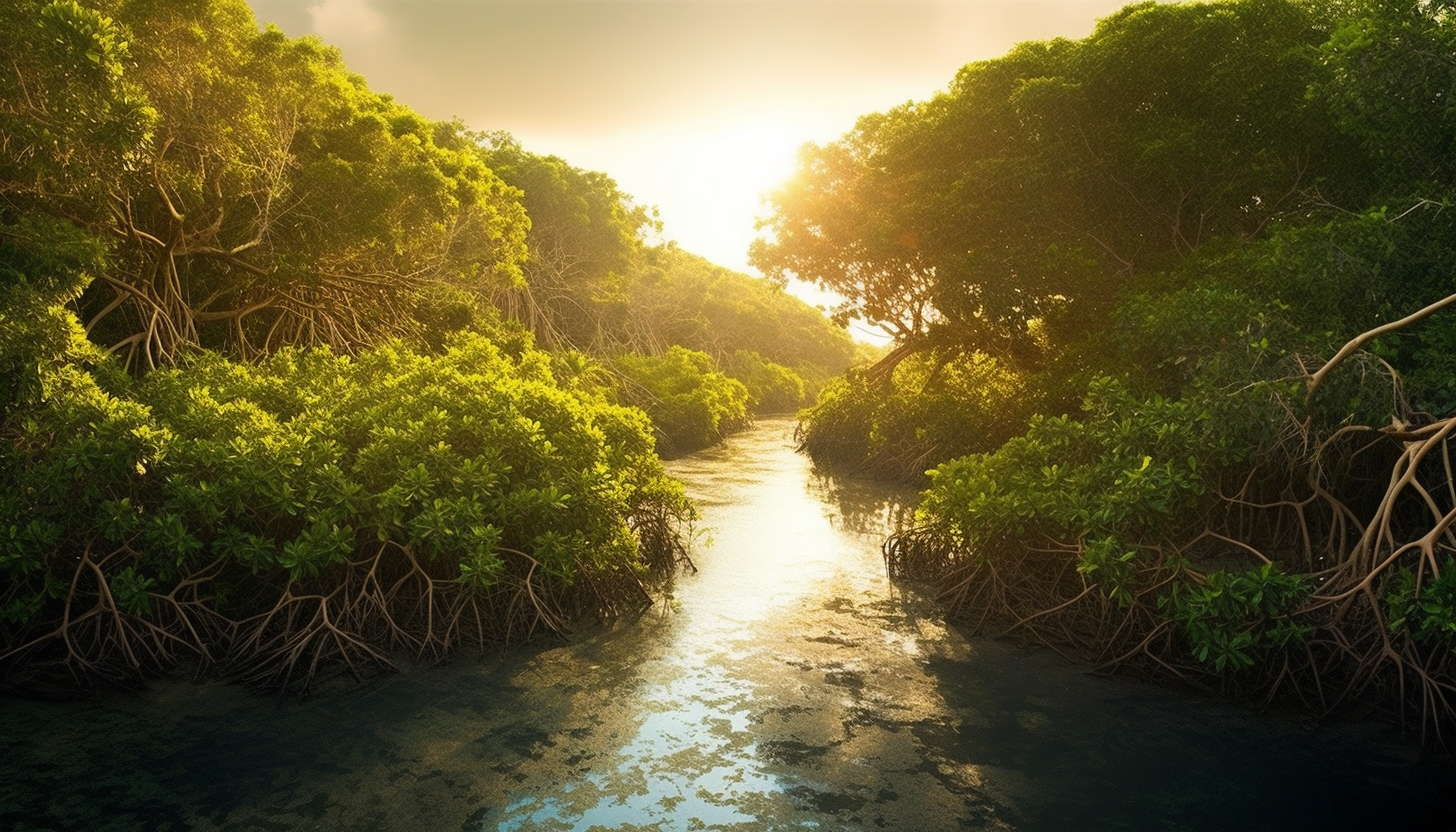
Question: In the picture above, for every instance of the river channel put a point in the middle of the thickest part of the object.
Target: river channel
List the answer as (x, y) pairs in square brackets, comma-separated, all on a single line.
[(788, 685)]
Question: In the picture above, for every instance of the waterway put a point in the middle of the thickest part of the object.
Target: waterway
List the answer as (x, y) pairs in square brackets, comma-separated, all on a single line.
[(788, 685)]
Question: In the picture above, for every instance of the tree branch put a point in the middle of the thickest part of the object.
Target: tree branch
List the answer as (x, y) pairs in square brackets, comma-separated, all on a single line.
[(1359, 341)]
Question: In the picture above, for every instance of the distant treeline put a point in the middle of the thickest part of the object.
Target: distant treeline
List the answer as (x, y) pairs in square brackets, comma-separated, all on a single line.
[(1120, 271), (295, 381)]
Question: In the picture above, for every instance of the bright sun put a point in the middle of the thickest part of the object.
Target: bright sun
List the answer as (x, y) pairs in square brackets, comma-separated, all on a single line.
[(713, 179), (706, 178)]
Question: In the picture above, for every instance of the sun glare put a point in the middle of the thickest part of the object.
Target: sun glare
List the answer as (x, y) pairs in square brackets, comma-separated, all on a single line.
[(706, 179), (708, 182), (715, 177), (719, 178)]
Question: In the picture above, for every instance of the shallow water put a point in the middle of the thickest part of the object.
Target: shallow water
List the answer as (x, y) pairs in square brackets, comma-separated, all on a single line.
[(789, 685)]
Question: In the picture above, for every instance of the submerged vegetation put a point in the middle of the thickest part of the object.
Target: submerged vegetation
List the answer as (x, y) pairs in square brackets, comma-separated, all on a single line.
[(1172, 343), (294, 381)]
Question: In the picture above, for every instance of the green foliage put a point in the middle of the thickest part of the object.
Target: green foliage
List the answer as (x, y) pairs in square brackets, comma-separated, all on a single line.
[(256, 196), (75, 119), (691, 404), (1385, 80), (455, 457), (76, 459), (772, 388), (1432, 366), (257, 193), (1108, 563), (1427, 612), (1205, 333), (1043, 180), (926, 412), (836, 429), (286, 471), (594, 284), (585, 236), (838, 224), (130, 591), (1130, 469), (44, 264), (1265, 151), (1234, 620), (677, 298)]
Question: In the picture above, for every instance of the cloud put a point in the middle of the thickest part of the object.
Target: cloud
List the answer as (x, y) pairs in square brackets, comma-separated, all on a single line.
[(346, 21)]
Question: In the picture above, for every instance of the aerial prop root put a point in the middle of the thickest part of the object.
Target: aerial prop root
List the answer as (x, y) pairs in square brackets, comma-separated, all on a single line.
[(93, 638), (387, 604), (1297, 511)]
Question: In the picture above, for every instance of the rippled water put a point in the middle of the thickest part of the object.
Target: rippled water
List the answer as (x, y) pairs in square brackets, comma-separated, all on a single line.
[(788, 686)]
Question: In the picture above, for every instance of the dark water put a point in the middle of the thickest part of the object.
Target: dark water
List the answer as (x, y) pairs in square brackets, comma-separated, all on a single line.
[(789, 686)]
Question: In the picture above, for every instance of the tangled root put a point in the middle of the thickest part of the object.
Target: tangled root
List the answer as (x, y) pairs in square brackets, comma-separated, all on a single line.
[(358, 618), (1316, 512)]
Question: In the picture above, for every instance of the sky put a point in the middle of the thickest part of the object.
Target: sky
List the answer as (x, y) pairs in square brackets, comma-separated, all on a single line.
[(696, 107)]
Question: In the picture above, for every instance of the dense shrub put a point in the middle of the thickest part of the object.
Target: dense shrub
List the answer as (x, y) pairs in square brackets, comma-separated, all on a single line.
[(926, 411), (692, 405), (312, 510), (772, 388), (1127, 469)]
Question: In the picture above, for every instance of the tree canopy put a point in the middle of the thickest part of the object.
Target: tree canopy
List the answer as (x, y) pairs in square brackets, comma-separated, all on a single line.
[(1043, 181), (294, 380), (252, 192), (1182, 288)]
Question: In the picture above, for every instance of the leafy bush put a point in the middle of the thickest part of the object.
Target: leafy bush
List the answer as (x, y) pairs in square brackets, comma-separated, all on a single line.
[(44, 264), (925, 412), (1063, 480), (457, 456), (1237, 619), (1129, 470), (1204, 332), (1427, 613), (772, 388), (691, 404), (211, 510)]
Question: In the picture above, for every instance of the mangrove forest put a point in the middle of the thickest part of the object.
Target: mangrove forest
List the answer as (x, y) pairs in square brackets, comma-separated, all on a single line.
[(298, 383), (295, 382), (1172, 344)]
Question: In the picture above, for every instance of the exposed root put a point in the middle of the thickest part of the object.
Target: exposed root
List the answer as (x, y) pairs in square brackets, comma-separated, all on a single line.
[(1350, 547), (359, 617), (1366, 515)]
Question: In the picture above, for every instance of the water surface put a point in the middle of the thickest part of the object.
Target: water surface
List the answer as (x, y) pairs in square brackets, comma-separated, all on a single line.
[(788, 685)]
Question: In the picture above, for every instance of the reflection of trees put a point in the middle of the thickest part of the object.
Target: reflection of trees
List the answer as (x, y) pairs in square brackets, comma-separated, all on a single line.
[(865, 507)]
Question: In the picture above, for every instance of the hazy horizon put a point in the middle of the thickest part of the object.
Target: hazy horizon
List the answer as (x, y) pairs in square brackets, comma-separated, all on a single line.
[(696, 108)]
